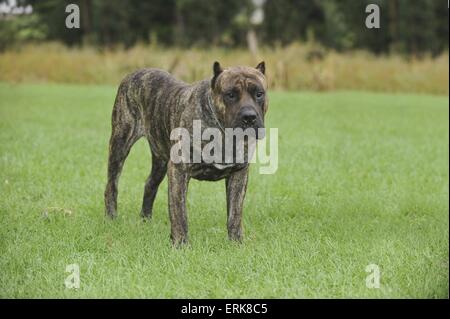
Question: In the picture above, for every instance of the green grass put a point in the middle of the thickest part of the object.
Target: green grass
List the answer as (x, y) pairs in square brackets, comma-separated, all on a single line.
[(362, 178)]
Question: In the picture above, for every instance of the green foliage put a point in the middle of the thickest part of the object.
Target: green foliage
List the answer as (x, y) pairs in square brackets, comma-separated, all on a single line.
[(21, 29), (205, 22), (406, 26), (337, 33), (420, 26), (362, 179)]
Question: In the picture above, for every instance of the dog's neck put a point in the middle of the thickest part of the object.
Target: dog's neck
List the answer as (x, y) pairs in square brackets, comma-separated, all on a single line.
[(212, 110)]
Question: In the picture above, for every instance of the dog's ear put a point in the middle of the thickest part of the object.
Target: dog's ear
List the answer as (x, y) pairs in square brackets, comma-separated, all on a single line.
[(261, 67), (217, 70)]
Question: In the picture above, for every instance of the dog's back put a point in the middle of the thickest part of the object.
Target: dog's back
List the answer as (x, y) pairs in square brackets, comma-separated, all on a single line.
[(144, 106)]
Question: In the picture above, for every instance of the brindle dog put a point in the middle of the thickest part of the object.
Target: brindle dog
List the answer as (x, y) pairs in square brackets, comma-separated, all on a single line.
[(152, 103)]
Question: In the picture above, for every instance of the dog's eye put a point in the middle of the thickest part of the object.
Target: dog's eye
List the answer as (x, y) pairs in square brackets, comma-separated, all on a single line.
[(259, 94), (231, 95)]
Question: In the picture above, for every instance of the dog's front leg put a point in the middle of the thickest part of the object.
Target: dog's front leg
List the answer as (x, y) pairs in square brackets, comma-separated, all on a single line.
[(236, 185), (178, 184)]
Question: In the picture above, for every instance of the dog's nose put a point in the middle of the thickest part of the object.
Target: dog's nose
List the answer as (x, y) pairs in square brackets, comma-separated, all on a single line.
[(248, 116)]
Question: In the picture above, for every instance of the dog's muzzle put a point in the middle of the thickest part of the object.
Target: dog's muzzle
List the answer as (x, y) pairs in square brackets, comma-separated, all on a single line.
[(249, 118)]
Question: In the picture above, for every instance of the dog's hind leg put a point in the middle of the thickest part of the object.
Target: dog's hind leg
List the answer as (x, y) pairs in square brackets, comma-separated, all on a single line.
[(158, 172), (126, 130)]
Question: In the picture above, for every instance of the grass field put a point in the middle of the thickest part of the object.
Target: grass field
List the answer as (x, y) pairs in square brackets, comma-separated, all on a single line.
[(363, 178)]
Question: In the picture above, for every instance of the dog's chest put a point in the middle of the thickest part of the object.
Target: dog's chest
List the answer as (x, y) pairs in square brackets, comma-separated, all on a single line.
[(214, 172)]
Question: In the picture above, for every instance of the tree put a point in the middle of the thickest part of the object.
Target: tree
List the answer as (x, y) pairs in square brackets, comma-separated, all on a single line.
[(406, 26)]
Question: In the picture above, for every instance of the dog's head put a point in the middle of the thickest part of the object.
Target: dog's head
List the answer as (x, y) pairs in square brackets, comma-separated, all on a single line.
[(239, 95)]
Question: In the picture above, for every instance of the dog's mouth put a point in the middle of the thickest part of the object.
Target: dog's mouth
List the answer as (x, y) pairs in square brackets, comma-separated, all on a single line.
[(257, 131)]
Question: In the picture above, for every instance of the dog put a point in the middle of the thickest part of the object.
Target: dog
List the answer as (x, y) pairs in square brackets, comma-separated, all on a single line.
[(152, 103)]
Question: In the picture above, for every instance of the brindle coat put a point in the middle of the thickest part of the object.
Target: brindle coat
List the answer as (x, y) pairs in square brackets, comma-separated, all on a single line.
[(152, 103)]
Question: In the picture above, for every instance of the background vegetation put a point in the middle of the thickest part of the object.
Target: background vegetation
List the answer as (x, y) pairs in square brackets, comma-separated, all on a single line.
[(337, 24), (288, 68), (308, 45)]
